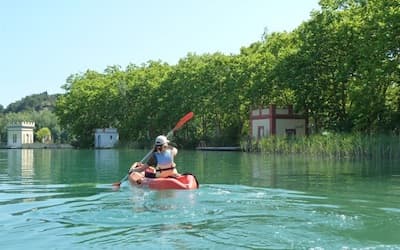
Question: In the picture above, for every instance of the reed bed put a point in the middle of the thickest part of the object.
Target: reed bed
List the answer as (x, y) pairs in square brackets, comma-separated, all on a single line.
[(330, 145)]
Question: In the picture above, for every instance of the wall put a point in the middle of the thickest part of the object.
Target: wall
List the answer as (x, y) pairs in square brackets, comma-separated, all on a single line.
[(297, 124), (276, 121), (106, 138), (19, 134)]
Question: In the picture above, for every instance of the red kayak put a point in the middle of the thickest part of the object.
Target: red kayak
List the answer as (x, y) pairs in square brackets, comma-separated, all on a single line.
[(184, 181)]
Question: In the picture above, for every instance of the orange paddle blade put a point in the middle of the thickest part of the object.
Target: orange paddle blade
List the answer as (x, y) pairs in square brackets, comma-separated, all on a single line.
[(183, 120)]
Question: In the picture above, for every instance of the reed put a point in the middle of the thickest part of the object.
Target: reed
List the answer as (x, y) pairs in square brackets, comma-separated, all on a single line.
[(330, 145)]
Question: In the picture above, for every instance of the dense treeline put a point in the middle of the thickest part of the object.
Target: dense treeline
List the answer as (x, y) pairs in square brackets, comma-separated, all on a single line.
[(340, 68), (38, 108)]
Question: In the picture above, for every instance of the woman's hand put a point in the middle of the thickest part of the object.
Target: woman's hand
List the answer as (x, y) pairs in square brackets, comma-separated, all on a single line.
[(136, 167)]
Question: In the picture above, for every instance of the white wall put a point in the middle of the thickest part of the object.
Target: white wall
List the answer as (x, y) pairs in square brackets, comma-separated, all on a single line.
[(106, 138), (283, 124), (23, 134), (260, 123)]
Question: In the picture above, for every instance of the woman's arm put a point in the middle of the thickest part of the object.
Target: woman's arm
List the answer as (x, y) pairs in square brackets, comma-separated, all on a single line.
[(138, 167), (174, 151)]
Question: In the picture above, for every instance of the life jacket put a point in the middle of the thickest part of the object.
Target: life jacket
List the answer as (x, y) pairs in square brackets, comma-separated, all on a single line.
[(164, 166)]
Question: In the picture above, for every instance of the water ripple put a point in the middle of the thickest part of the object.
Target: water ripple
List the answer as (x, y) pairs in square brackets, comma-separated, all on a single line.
[(226, 216)]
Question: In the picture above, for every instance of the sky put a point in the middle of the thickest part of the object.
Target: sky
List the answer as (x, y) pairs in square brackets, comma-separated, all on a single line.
[(42, 42)]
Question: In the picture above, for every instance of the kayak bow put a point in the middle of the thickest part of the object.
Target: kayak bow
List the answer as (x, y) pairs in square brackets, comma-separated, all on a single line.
[(184, 181)]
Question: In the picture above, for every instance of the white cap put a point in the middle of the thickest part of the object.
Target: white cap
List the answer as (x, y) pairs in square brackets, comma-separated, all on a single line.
[(161, 140)]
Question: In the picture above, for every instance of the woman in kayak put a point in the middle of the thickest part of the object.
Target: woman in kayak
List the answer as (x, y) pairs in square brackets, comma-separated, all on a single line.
[(161, 162)]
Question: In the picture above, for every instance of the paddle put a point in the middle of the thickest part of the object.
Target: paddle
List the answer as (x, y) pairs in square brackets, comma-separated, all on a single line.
[(180, 123)]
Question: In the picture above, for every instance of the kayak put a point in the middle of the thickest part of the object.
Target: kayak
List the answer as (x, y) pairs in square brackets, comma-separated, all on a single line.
[(184, 181)]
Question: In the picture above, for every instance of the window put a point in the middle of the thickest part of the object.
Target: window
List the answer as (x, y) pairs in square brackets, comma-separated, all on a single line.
[(290, 133)]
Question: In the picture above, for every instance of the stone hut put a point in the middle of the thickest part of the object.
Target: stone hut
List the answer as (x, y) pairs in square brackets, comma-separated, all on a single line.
[(273, 120), (20, 133)]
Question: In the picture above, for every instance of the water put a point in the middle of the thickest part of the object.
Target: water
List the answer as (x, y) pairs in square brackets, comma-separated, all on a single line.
[(63, 199)]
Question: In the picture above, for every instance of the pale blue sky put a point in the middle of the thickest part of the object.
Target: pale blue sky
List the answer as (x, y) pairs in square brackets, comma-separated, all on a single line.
[(42, 42)]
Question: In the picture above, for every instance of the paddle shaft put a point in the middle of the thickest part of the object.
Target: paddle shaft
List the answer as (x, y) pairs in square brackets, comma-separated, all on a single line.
[(178, 125), (126, 176)]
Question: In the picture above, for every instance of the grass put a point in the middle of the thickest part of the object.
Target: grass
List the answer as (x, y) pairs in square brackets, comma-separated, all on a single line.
[(330, 145)]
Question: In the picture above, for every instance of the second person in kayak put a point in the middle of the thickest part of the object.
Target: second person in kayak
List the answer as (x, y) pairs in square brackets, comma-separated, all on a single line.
[(161, 162)]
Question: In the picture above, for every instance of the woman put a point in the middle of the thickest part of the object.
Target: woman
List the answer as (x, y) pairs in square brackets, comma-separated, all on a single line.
[(161, 162)]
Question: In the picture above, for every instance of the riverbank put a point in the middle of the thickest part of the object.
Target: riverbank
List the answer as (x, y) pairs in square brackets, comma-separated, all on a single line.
[(37, 145), (330, 145)]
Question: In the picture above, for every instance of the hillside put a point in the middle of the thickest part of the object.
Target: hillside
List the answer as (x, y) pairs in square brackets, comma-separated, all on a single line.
[(35, 102)]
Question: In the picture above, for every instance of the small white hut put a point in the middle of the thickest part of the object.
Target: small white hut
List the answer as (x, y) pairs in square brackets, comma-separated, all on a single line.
[(274, 120), (19, 134), (105, 137)]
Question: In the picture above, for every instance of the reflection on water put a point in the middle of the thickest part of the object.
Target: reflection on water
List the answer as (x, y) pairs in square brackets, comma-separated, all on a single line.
[(106, 162), (226, 216), (290, 172), (235, 168), (28, 164), (20, 163), (62, 199)]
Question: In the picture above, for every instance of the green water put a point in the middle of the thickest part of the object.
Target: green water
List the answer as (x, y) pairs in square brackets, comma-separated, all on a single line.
[(63, 199)]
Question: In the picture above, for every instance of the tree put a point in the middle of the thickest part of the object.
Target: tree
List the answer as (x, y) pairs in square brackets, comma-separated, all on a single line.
[(340, 69), (43, 135), (35, 102)]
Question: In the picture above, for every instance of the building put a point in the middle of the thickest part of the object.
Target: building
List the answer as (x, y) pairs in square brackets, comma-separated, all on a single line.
[(19, 134), (274, 120), (105, 137)]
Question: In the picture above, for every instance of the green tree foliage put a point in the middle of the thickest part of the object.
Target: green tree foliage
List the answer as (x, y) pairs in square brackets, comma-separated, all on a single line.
[(346, 64), (35, 102), (38, 108), (210, 86), (43, 134), (44, 118), (340, 68), (122, 99)]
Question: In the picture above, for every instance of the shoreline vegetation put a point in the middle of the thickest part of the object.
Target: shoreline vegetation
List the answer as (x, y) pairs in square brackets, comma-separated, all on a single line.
[(339, 69), (329, 145), (336, 146)]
